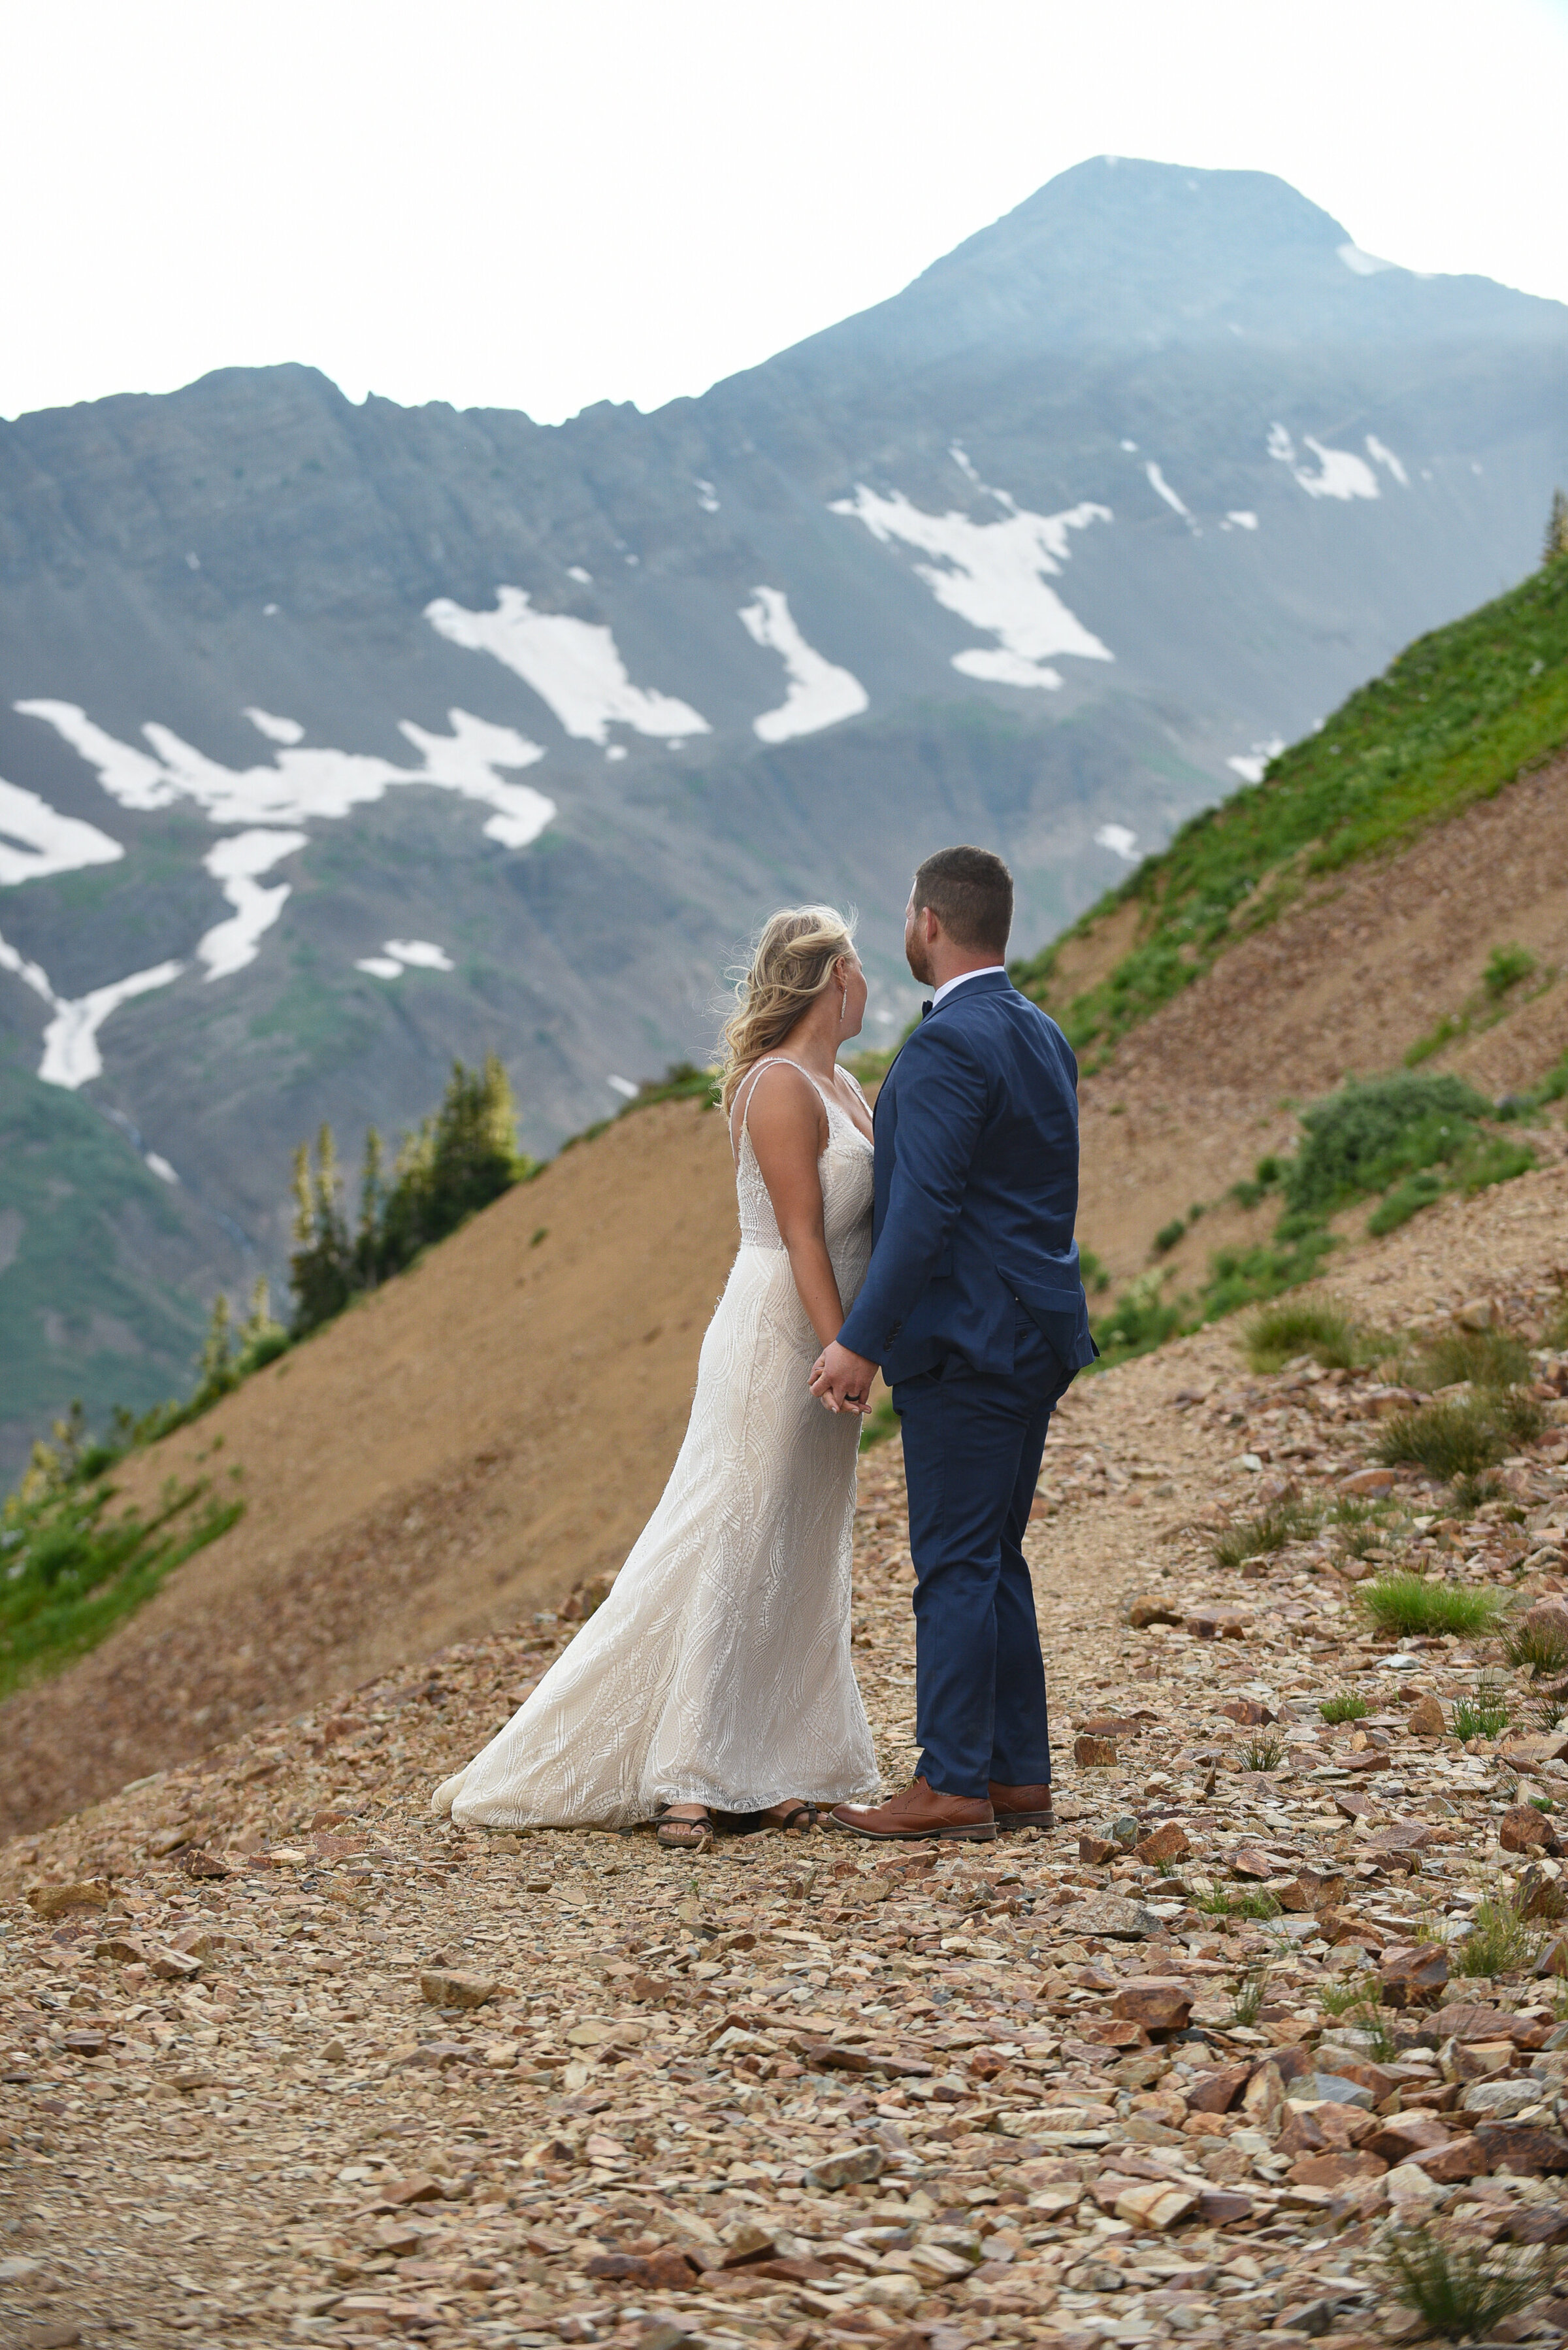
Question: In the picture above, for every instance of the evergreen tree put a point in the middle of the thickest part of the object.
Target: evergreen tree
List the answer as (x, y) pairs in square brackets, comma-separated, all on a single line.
[(367, 1248), (1556, 528), (320, 1271)]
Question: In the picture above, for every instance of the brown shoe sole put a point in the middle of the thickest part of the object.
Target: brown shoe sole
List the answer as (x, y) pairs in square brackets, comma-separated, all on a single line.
[(1026, 1819), (976, 1832)]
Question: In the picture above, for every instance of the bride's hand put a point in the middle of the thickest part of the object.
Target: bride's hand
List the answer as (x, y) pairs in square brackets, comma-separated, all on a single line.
[(842, 1381)]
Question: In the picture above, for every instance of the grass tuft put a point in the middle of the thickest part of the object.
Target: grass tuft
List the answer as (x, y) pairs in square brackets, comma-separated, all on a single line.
[(1270, 1531), (1320, 1328), (1460, 2290), (1480, 1717), (1250, 1993), (1449, 1438), (1404, 1605), (1346, 1706), (1487, 1358), (1501, 1941), (1264, 1752), (1543, 1647)]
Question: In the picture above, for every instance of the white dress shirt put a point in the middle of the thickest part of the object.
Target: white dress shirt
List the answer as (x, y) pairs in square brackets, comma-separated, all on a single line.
[(948, 985)]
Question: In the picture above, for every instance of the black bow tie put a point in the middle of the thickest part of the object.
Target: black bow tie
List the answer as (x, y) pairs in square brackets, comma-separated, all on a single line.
[(925, 1009)]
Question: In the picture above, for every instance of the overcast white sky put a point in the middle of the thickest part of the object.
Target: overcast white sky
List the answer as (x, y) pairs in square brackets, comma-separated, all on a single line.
[(539, 204)]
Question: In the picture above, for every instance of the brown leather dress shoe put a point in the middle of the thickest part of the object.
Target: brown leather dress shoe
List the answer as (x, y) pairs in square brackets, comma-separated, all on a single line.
[(920, 1811), (1022, 1807)]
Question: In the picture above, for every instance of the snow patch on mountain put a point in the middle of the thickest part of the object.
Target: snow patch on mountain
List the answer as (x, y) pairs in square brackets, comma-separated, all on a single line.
[(277, 730), (237, 862), (71, 1056), (1162, 488), (1382, 456), (1249, 764), (573, 665), (36, 840), (302, 785), (993, 575), (819, 693), (1341, 473), (399, 955)]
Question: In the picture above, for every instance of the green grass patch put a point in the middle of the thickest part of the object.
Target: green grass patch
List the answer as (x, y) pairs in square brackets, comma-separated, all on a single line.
[(1345, 1706), (1501, 1941), (1269, 1531), (1480, 1717), (1461, 1436), (1487, 1358), (1266, 1752), (1456, 718), (1405, 1604), (72, 1567), (1318, 1327)]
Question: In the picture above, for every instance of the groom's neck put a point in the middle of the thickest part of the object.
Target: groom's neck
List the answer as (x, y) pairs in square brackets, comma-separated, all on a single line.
[(948, 961)]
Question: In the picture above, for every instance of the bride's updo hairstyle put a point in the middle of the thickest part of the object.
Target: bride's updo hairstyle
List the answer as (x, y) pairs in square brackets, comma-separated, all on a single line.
[(791, 964)]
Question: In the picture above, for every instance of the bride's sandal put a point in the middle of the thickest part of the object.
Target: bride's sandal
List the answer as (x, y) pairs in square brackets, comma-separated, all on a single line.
[(784, 1817), (689, 1828)]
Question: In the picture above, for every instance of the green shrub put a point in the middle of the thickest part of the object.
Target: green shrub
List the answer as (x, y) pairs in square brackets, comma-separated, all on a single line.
[(1366, 1136), (1480, 1717), (1403, 1604), (1449, 1437), (1442, 1032), (1505, 967), (1320, 1328), (1407, 1198), (1168, 1234), (1140, 1320), (1264, 1752), (1270, 1530), (1462, 2290), (1243, 1276), (1346, 1706), (1092, 1271)]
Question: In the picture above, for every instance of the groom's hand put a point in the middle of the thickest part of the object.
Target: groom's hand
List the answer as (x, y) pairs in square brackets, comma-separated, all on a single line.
[(842, 1381)]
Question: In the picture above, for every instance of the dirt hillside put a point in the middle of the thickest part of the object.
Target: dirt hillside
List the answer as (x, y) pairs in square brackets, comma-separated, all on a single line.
[(454, 1452), (459, 1450), (1343, 985)]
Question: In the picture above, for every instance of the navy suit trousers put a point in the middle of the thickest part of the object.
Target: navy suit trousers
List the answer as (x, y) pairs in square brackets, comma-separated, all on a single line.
[(972, 1444)]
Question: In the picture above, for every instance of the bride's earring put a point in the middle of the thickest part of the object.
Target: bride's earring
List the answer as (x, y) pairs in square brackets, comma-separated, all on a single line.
[(844, 1007)]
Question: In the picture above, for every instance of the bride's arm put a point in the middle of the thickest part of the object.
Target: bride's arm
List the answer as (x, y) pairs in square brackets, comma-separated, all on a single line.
[(788, 1127)]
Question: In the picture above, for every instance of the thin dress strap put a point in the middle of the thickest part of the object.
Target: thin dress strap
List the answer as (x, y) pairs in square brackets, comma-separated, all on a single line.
[(749, 1086)]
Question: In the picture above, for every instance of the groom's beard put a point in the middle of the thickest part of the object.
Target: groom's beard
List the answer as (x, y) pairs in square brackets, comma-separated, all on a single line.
[(919, 960)]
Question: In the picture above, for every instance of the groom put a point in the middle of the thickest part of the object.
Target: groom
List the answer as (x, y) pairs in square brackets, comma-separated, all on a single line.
[(975, 1311)]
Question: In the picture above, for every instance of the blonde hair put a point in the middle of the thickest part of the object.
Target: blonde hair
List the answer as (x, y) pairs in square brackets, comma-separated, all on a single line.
[(791, 964)]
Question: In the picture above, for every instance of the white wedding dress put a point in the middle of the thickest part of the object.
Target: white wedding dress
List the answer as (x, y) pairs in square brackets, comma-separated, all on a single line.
[(718, 1670)]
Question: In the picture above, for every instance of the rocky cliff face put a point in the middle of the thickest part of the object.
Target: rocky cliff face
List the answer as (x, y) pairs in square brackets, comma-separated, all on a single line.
[(336, 740)]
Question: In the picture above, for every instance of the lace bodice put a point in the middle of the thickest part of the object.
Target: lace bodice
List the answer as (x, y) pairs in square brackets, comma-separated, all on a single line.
[(845, 1166)]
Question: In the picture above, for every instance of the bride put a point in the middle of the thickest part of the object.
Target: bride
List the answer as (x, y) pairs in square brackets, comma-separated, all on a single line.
[(715, 1680)]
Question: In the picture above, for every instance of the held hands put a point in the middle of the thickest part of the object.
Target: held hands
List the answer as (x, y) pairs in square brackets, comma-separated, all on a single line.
[(842, 1381)]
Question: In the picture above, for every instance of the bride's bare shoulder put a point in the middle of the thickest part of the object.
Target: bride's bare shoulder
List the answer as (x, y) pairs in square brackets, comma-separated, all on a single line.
[(779, 1109)]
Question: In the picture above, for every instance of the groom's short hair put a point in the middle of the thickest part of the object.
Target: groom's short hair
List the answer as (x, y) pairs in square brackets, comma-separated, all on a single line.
[(970, 890)]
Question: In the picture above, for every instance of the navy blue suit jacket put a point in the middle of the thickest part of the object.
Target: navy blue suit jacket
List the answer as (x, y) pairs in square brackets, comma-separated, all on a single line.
[(977, 1190)]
